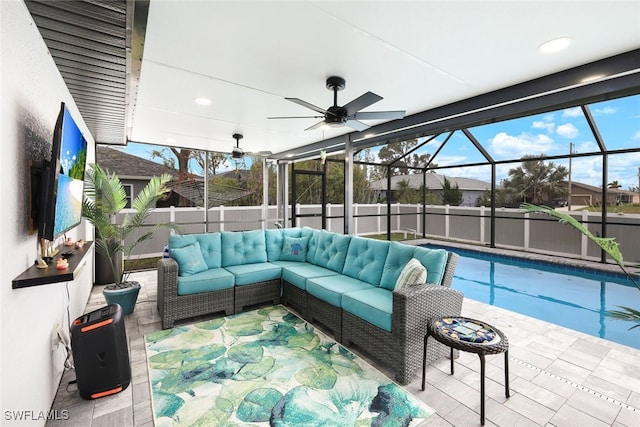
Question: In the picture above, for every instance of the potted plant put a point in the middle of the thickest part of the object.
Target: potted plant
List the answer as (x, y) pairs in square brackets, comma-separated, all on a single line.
[(104, 198)]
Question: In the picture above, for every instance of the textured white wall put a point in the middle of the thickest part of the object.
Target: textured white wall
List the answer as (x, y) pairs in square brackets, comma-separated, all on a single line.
[(30, 96)]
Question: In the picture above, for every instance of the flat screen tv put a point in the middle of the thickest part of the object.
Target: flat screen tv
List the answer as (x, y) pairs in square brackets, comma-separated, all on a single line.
[(62, 185)]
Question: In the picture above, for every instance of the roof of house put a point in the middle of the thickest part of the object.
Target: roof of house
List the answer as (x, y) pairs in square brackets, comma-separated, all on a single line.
[(595, 189), (126, 165), (434, 181)]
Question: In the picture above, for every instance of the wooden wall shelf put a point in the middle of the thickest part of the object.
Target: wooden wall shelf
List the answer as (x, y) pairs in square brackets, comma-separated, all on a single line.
[(35, 276)]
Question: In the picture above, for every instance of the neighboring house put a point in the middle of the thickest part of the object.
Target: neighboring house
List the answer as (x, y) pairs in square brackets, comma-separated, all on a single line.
[(471, 188), (135, 172), (589, 195)]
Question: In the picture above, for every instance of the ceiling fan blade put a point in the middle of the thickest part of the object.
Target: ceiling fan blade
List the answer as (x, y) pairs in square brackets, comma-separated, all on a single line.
[(308, 105), (260, 153), (374, 115), (363, 101), (355, 124), (316, 126), (296, 117)]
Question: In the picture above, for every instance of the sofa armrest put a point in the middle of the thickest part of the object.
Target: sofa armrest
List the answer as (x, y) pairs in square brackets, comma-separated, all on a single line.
[(414, 306), (167, 283)]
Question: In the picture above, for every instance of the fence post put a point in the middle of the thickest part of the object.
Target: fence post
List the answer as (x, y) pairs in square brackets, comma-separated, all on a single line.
[(585, 239), (379, 218), (527, 231), (482, 230), (418, 206), (329, 220), (355, 218), (446, 221), (221, 217)]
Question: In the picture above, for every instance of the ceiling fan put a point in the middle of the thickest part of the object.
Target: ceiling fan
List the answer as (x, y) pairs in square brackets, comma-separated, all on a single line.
[(348, 114), (238, 153)]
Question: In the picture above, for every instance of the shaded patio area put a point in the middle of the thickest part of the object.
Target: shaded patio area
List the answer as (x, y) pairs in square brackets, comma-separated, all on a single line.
[(558, 377)]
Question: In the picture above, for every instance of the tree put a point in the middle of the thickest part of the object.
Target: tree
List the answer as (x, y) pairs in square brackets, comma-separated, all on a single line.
[(614, 185), (400, 150), (536, 182), (451, 195)]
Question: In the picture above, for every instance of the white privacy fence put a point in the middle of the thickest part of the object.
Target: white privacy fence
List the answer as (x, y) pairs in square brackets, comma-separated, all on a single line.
[(513, 228)]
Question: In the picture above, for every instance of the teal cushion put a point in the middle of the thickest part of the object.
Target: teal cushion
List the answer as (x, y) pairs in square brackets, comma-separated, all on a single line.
[(297, 275), (398, 256), (211, 247), (182, 240), (365, 259), (294, 249), (274, 239), (312, 246), (189, 259), (248, 274), (434, 260), (213, 279), (330, 289), (374, 305), (243, 247), (331, 250), (412, 274)]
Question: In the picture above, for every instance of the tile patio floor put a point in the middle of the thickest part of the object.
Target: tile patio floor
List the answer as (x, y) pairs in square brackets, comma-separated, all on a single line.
[(558, 377)]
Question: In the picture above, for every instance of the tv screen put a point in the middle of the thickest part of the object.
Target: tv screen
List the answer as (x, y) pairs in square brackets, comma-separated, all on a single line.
[(64, 178)]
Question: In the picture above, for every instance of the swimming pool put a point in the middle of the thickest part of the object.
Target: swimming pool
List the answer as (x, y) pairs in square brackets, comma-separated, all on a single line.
[(576, 299)]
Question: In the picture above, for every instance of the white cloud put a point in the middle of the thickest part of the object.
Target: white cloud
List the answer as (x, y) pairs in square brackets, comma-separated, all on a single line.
[(445, 160), (604, 111), (508, 146), (548, 126), (567, 130), (572, 112)]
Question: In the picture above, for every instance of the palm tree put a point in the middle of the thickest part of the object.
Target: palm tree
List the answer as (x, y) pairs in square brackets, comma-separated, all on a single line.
[(614, 184), (104, 199)]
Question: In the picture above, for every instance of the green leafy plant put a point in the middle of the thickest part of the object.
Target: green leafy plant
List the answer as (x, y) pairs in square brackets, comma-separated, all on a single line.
[(608, 244), (104, 198)]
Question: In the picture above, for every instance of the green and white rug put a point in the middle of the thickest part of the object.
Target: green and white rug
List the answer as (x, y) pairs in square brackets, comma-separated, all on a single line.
[(268, 367)]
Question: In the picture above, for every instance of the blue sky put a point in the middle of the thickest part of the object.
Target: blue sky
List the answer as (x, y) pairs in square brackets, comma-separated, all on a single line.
[(550, 133)]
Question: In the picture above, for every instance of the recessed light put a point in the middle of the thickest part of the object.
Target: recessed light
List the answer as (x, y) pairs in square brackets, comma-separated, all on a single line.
[(202, 101), (555, 45)]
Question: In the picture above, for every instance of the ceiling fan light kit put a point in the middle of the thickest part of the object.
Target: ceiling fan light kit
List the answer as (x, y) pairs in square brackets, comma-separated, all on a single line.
[(237, 152), (348, 114)]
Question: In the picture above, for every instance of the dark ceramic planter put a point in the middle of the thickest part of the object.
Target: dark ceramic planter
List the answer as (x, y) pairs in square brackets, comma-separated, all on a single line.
[(125, 294)]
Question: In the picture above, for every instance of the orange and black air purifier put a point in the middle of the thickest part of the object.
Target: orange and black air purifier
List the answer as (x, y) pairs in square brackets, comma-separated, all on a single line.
[(100, 353)]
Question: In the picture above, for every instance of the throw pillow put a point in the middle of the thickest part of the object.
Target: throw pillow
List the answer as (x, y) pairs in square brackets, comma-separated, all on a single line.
[(294, 249), (189, 259), (414, 273)]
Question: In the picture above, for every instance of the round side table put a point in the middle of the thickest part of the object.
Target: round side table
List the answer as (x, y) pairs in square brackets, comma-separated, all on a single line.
[(473, 336)]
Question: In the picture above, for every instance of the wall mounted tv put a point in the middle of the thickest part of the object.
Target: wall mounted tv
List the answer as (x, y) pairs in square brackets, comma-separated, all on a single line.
[(62, 179)]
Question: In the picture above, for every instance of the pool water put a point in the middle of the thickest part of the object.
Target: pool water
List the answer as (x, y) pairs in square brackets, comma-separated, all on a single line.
[(575, 299)]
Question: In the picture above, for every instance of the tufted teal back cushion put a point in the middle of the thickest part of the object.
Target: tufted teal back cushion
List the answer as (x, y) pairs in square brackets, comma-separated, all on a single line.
[(275, 238), (398, 256), (210, 246), (331, 250), (365, 259), (243, 247), (434, 260), (312, 246)]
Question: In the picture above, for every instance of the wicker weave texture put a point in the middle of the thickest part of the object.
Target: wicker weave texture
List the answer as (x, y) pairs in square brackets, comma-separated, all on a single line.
[(172, 306), (325, 314), (257, 293), (295, 297)]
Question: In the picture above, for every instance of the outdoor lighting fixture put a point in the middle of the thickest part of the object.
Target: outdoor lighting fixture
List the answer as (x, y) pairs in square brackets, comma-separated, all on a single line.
[(555, 45), (202, 101)]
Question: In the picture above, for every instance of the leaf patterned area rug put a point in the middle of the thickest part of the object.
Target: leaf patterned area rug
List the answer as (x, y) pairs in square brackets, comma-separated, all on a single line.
[(268, 367)]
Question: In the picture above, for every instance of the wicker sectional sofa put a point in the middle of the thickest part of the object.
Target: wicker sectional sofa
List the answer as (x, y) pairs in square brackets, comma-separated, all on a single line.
[(347, 284)]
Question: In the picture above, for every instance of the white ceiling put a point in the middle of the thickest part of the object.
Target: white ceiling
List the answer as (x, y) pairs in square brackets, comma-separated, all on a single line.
[(247, 56)]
